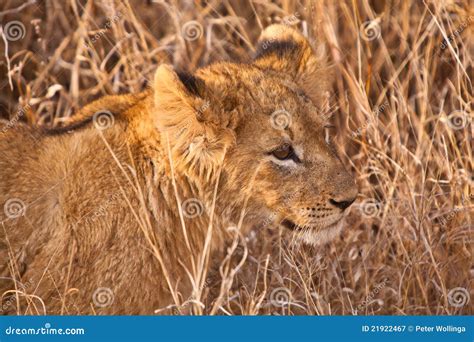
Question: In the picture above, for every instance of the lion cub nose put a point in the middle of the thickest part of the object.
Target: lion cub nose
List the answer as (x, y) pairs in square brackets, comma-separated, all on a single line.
[(344, 204), (345, 192)]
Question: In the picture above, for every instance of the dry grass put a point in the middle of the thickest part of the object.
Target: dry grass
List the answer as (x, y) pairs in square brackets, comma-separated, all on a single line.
[(404, 104)]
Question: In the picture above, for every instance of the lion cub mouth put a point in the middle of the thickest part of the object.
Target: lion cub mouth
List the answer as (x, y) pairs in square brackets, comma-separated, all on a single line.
[(315, 237), (295, 227), (290, 225)]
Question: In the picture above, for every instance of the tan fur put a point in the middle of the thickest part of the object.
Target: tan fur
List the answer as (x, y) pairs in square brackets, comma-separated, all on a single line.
[(103, 204)]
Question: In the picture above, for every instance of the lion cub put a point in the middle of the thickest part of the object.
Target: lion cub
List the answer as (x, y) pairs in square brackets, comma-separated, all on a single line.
[(118, 211)]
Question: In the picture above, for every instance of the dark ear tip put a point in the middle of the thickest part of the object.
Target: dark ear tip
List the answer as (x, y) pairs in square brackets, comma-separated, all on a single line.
[(281, 48), (194, 85), (282, 41)]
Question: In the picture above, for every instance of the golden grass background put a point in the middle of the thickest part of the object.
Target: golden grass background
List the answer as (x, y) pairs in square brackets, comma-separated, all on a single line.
[(403, 96)]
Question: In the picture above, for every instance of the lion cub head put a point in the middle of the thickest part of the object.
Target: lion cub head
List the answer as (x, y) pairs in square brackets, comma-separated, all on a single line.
[(262, 127)]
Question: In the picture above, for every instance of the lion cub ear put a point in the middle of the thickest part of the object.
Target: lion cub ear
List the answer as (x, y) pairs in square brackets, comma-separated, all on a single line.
[(187, 124), (283, 49)]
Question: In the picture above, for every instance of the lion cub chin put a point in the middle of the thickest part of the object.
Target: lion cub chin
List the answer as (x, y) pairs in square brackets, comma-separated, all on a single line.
[(323, 236)]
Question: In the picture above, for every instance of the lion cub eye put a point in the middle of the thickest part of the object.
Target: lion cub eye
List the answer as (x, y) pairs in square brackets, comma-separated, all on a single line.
[(285, 152)]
